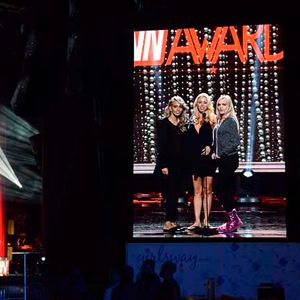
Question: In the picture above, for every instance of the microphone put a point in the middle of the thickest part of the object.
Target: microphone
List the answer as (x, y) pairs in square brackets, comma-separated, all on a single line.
[(203, 114)]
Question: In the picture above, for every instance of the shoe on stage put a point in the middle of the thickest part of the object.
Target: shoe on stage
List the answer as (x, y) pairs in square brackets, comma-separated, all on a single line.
[(232, 224), (171, 230), (194, 227), (178, 227)]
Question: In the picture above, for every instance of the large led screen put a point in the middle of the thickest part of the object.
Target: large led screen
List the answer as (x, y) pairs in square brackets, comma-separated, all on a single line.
[(243, 61)]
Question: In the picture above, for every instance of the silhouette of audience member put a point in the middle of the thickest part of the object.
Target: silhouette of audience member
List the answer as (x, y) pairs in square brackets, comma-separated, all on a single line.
[(127, 288), (36, 288), (74, 286), (147, 280), (169, 289), (113, 281)]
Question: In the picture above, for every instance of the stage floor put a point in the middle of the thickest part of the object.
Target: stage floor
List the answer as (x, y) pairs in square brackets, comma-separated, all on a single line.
[(260, 221)]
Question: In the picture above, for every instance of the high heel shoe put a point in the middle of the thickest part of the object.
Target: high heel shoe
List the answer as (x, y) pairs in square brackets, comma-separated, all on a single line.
[(177, 226), (194, 227)]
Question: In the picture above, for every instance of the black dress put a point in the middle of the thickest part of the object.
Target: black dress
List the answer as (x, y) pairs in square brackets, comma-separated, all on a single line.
[(199, 165)]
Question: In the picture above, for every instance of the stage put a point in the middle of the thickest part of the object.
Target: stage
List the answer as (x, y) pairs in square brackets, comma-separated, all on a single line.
[(266, 219)]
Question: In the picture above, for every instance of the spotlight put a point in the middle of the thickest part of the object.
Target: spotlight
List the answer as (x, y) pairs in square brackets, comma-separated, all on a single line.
[(247, 173), (7, 171), (248, 187)]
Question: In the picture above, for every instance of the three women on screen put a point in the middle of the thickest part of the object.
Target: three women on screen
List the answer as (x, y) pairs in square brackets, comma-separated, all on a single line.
[(194, 149)]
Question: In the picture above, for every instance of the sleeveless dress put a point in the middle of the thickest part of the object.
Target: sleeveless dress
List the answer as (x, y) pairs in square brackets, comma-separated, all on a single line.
[(200, 165)]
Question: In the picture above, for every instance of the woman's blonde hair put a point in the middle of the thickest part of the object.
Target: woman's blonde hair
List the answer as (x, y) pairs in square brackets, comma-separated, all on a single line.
[(231, 112), (210, 112), (183, 117)]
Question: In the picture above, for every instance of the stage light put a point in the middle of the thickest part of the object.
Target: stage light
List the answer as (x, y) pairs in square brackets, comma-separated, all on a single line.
[(17, 161), (248, 182), (247, 173), (7, 171)]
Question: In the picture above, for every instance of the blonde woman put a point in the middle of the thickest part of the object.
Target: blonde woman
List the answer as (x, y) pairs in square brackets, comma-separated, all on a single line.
[(201, 166), (170, 158), (226, 144)]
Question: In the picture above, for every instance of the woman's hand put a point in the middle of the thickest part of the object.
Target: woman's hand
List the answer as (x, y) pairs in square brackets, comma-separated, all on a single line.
[(165, 171), (206, 150)]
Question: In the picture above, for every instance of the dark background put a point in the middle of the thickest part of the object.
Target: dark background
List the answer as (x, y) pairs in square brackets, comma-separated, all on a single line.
[(82, 105)]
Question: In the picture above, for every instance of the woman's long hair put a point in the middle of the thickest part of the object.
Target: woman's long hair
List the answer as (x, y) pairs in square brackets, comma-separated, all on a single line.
[(210, 117), (183, 117)]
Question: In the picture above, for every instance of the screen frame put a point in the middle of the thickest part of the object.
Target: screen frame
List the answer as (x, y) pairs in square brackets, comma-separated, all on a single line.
[(291, 150)]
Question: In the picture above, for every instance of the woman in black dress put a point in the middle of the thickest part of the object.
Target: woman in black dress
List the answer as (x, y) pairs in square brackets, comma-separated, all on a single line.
[(201, 166), (170, 158)]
